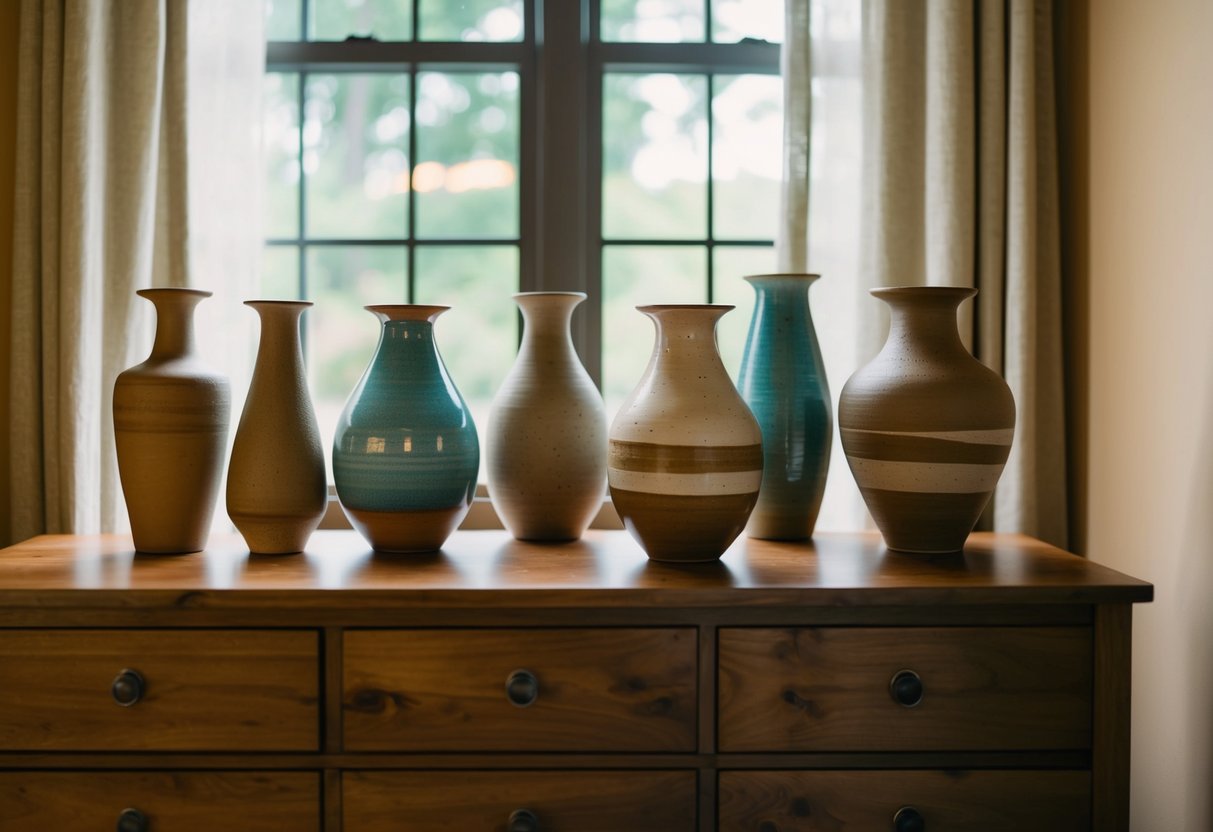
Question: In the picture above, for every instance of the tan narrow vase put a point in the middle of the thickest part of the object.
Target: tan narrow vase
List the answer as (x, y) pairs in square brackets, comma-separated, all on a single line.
[(547, 429), (926, 427), (170, 430), (276, 491), (685, 459)]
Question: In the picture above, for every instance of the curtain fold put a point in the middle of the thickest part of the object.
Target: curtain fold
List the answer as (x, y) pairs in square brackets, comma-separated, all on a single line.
[(959, 187), (109, 146)]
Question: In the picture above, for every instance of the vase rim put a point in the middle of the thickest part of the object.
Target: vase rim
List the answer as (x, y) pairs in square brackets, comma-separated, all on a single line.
[(649, 309), (414, 312), (292, 304), (553, 294), (799, 277), (168, 291), (952, 293)]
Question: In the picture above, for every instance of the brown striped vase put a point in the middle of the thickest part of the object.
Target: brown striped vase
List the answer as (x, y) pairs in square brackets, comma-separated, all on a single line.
[(685, 452), (926, 427)]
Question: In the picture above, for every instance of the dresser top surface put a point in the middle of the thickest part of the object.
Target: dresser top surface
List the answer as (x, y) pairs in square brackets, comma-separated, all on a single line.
[(604, 569)]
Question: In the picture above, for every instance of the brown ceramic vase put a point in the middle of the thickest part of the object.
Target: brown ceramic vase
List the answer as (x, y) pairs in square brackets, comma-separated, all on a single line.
[(547, 431), (276, 491), (170, 430), (926, 427), (685, 453)]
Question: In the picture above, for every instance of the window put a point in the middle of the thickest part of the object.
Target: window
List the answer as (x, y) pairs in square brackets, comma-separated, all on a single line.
[(456, 152)]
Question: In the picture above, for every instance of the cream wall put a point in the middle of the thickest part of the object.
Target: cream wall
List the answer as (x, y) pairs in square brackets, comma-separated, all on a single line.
[(1148, 215), (8, 136)]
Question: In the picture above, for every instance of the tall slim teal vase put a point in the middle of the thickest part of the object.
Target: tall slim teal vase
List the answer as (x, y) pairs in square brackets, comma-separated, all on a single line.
[(783, 380), (406, 453)]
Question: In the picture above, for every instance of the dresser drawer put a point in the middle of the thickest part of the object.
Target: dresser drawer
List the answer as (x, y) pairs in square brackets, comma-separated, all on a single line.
[(201, 690), (951, 801), (184, 801), (559, 801), (537, 690), (831, 689)]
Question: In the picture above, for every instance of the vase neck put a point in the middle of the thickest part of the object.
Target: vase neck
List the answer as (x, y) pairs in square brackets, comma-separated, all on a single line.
[(174, 320), (686, 335), (547, 318), (279, 347), (925, 317)]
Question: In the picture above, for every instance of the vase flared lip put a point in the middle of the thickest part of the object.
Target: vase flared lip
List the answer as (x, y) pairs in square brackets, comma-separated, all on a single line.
[(954, 294), (789, 277), (552, 294), (653, 308), (414, 312), (169, 291), (288, 304)]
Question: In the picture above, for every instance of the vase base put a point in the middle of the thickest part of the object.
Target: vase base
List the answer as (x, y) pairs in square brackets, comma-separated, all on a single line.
[(935, 523), (275, 535), (684, 529), (404, 532)]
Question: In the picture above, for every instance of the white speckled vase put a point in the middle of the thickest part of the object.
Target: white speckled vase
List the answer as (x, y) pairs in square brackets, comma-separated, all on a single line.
[(685, 460), (547, 430), (926, 427), (276, 492)]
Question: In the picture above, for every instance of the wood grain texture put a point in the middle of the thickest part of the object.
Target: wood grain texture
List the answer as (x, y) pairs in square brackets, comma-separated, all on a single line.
[(604, 570), (827, 689), (949, 801), (172, 801), (1113, 734), (582, 801), (209, 690), (599, 690)]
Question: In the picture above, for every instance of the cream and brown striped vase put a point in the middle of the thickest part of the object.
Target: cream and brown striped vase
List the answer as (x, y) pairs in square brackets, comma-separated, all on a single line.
[(926, 427), (685, 459)]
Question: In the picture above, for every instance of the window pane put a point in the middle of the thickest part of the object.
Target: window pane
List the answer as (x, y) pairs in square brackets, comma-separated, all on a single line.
[(467, 149), (733, 20), (654, 156), (471, 20), (730, 265), (283, 19), (280, 273), (341, 335), (355, 140), (383, 19), (478, 337), (747, 159), (280, 134), (652, 21), (633, 276)]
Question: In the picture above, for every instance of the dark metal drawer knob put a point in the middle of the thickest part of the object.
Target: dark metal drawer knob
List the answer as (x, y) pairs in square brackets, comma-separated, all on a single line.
[(132, 820), (906, 688), (909, 819), (128, 688), (523, 820), (522, 689)]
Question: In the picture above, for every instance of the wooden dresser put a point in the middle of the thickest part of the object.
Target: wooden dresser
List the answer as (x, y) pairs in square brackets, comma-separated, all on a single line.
[(569, 688)]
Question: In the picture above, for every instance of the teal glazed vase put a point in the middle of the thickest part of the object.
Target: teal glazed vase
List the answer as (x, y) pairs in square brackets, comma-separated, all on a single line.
[(406, 454), (783, 380)]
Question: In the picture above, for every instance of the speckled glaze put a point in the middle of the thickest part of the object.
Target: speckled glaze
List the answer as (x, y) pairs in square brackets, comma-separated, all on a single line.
[(276, 492), (171, 417), (783, 380), (685, 453), (547, 451), (406, 453), (926, 427)]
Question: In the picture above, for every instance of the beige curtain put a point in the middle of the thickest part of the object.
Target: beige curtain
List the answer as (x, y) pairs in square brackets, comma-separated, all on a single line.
[(961, 188), (136, 140)]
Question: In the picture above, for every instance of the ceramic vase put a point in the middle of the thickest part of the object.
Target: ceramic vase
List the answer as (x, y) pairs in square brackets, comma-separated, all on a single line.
[(406, 453), (926, 427), (547, 429), (276, 491), (685, 452), (783, 380), (170, 430)]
